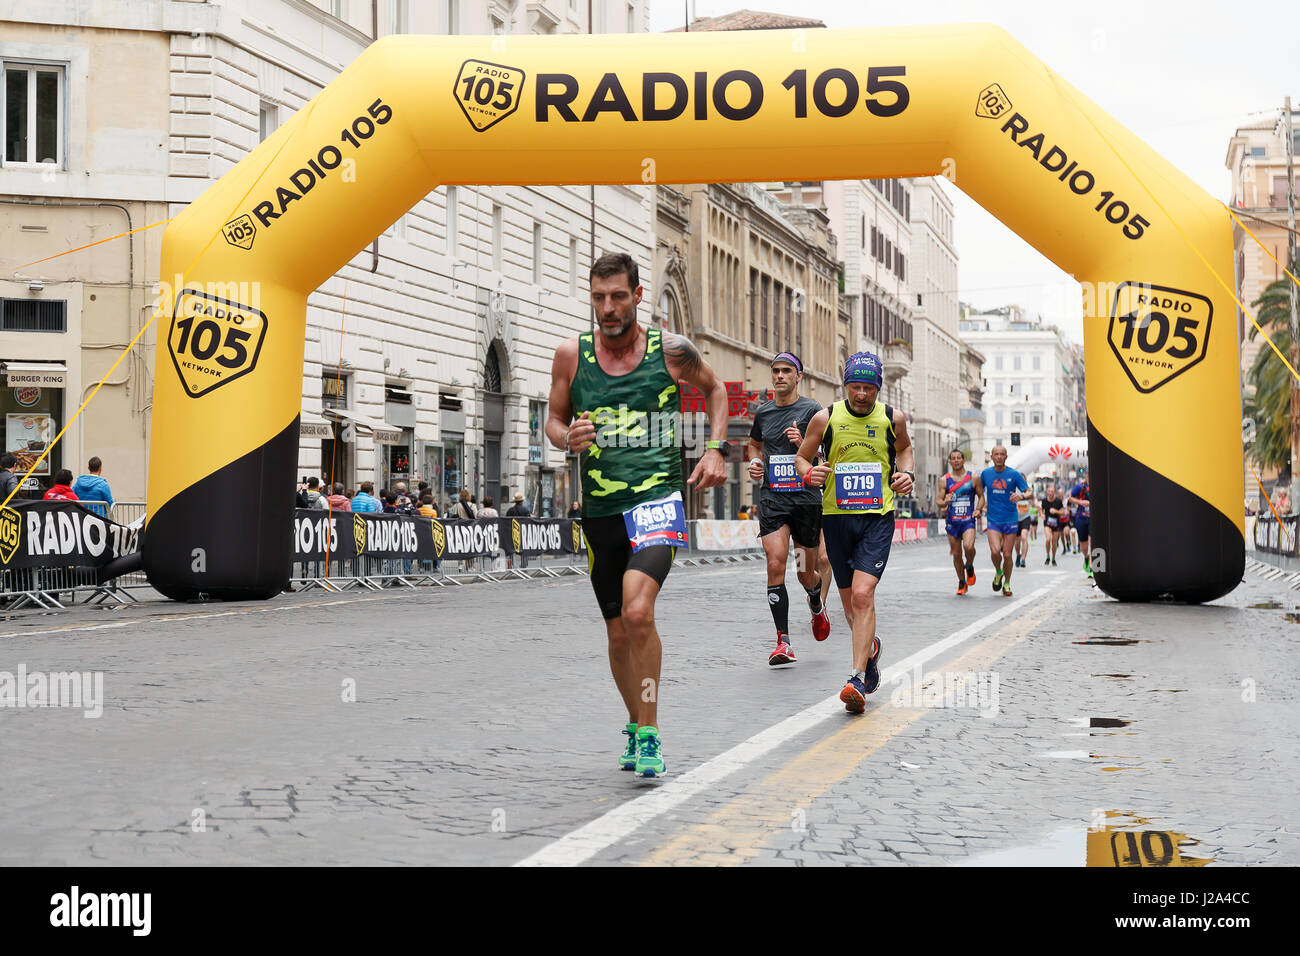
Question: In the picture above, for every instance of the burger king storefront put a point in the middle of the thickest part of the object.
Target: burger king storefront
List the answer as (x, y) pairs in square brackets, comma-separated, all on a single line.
[(31, 414)]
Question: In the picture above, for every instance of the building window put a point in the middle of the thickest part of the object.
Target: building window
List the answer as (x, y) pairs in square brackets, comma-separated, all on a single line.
[(631, 18), (1036, 418), (1017, 418), (397, 15), (33, 315), (537, 253), (573, 265), (498, 230), (453, 17), (1015, 363), (33, 114), (498, 25), (453, 221), (997, 362), (268, 118), (336, 8), (333, 390), (1038, 363)]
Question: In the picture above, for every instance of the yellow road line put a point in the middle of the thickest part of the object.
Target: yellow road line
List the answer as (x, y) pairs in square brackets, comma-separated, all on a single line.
[(738, 831)]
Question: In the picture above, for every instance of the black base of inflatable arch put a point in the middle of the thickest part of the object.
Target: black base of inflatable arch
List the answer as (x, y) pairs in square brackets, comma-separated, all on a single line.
[(1159, 540), (239, 519)]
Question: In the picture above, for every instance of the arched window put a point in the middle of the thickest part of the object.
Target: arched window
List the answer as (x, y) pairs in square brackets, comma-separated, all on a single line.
[(492, 371), (670, 312)]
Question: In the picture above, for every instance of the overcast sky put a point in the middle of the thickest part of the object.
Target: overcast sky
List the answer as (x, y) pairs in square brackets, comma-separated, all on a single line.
[(1183, 76)]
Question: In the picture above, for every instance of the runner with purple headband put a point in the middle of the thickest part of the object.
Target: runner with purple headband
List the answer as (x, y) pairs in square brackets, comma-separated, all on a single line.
[(869, 459), (787, 508)]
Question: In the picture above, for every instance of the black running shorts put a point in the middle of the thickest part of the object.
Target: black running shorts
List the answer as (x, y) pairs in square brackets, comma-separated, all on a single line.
[(805, 521), (609, 555)]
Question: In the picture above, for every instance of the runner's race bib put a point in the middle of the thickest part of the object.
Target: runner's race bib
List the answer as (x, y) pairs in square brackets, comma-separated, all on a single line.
[(1022, 509), (859, 485), (959, 507), (660, 522), (781, 474)]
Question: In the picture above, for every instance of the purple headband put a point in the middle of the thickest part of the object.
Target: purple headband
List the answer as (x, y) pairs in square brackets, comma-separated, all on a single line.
[(791, 358)]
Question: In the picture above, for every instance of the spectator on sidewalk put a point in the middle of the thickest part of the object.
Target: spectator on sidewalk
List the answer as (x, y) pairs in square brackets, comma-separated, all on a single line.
[(93, 489), (427, 507), (520, 508), (312, 496), (401, 500), (61, 490), (365, 500), (389, 501), (8, 480), (463, 507), (339, 501), (487, 511), (575, 511)]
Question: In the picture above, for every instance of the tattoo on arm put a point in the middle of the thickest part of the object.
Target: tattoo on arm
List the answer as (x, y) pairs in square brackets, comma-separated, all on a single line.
[(682, 355)]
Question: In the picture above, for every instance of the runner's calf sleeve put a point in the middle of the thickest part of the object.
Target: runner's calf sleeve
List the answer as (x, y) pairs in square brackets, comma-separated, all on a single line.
[(779, 601), (815, 596)]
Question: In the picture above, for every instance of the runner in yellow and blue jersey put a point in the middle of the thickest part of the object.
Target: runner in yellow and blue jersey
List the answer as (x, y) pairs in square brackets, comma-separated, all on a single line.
[(868, 461)]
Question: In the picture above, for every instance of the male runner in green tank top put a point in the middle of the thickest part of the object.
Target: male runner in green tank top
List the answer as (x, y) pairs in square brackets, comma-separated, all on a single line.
[(615, 401), (869, 459)]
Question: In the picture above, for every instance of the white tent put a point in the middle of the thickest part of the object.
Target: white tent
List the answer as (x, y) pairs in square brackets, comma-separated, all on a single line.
[(1062, 450)]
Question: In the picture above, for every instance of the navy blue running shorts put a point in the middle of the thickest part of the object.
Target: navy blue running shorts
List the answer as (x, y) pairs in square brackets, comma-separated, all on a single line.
[(857, 543)]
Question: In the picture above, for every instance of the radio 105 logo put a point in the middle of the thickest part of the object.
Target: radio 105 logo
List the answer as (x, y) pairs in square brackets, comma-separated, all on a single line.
[(1157, 333), (213, 341)]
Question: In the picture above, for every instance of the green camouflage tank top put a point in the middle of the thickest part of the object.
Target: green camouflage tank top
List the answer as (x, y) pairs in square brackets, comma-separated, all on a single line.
[(635, 457)]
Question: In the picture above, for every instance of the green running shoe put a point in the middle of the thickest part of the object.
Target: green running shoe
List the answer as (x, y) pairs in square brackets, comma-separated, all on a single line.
[(628, 759), (997, 580), (649, 761)]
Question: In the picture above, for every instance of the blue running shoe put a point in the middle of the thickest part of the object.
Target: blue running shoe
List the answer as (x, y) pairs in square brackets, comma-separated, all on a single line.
[(873, 670)]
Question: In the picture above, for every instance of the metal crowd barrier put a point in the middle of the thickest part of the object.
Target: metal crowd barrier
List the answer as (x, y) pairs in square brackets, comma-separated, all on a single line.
[(56, 588), (1273, 537)]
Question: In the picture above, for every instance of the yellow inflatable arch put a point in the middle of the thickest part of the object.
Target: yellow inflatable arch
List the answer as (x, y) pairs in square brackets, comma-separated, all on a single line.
[(414, 112)]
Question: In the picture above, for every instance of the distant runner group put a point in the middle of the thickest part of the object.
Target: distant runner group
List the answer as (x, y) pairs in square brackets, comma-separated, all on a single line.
[(828, 478)]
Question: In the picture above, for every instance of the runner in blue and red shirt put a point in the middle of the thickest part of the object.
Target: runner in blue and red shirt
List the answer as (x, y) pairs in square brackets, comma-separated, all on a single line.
[(1081, 498), (957, 495)]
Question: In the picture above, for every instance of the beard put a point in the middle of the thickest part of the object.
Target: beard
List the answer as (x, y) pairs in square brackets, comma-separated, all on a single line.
[(625, 326)]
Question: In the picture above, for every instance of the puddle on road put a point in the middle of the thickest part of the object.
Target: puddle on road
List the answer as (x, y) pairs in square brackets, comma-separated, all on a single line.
[(1062, 848), (1107, 722), (1115, 845), (1116, 676), (1110, 640)]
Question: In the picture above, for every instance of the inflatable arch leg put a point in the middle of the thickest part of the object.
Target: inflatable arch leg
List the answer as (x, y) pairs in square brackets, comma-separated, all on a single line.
[(966, 101)]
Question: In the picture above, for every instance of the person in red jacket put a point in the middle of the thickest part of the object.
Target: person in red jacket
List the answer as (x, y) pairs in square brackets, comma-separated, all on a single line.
[(61, 490)]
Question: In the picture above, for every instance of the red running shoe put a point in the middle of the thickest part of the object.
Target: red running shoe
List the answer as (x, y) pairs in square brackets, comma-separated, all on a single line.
[(784, 653), (970, 574), (821, 624), (961, 588)]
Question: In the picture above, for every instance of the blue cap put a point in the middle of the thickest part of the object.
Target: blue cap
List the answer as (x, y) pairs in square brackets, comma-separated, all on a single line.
[(864, 367)]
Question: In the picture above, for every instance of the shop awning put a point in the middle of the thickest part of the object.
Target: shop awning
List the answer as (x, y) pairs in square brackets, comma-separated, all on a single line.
[(40, 374), (362, 425)]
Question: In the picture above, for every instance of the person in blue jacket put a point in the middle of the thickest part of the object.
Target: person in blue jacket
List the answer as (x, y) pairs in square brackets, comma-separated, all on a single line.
[(93, 491)]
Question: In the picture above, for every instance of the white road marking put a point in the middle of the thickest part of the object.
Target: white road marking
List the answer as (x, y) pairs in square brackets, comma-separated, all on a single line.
[(617, 824)]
